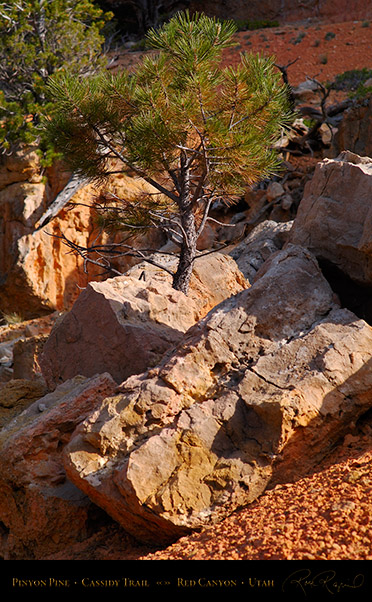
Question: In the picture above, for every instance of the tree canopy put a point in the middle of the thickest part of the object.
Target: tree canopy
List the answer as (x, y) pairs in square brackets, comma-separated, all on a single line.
[(196, 131), (38, 38)]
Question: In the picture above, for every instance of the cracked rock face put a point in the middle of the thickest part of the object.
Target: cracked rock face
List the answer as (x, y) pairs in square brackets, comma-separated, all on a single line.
[(354, 132), (37, 275), (268, 376)]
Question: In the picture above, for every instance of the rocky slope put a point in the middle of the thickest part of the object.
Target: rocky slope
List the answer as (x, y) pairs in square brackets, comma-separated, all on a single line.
[(251, 401), (134, 18), (254, 420)]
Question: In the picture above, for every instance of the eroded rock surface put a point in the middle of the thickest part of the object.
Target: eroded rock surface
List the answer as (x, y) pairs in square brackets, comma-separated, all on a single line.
[(20, 346), (354, 132), (16, 395), (124, 325), (265, 239), (334, 218), (267, 381), (37, 274), (39, 508)]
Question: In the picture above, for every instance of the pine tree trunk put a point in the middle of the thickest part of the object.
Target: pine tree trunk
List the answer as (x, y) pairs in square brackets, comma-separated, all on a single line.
[(181, 278)]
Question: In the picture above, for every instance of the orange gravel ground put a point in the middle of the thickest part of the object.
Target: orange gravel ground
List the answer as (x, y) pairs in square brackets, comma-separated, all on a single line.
[(326, 515), (317, 53)]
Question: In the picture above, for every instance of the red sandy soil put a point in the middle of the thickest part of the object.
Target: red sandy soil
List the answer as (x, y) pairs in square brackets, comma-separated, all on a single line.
[(317, 53), (326, 515)]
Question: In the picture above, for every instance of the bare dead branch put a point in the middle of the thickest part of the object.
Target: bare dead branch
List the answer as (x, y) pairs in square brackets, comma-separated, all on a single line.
[(205, 217), (106, 253)]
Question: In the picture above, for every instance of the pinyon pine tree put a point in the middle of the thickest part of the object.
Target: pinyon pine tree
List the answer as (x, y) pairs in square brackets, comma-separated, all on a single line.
[(196, 132)]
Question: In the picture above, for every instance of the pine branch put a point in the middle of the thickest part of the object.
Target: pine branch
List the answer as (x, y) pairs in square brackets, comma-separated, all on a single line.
[(134, 168), (250, 115)]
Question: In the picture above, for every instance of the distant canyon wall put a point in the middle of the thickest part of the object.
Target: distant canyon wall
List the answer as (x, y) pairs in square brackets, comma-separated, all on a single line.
[(136, 16), (286, 10)]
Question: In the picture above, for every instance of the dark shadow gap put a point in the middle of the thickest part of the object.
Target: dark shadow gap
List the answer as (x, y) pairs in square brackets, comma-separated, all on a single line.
[(353, 296)]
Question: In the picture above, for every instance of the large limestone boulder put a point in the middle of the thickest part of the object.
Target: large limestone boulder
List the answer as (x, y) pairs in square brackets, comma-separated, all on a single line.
[(40, 510), (259, 390), (124, 325), (334, 219)]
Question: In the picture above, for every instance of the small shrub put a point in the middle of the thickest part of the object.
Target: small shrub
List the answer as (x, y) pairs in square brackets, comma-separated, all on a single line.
[(323, 59), (329, 36), (309, 123), (11, 318), (37, 39), (299, 38), (361, 92), (365, 24), (351, 80)]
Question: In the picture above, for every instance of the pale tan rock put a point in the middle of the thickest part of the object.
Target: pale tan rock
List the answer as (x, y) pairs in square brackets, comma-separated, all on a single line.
[(20, 345), (327, 133), (306, 90), (266, 238), (22, 165), (124, 325), (270, 377), (6, 353), (274, 191), (334, 219), (286, 202), (40, 509)]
